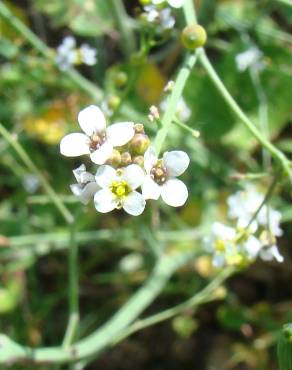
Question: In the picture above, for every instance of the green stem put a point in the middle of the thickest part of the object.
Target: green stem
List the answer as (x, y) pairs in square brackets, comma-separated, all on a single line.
[(72, 326), (204, 296), (173, 100), (32, 167), (275, 153), (12, 352), (123, 24)]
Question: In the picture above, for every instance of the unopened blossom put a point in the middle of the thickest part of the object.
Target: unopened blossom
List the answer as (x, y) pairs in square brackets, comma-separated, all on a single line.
[(169, 86), (31, 183), (86, 185), (97, 140), (68, 54), (160, 179), (182, 112), (153, 113), (118, 189), (251, 58)]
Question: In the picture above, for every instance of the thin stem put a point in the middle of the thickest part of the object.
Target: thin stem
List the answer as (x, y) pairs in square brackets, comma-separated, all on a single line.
[(265, 200), (275, 153), (93, 344), (72, 327), (32, 167), (194, 133), (173, 100), (204, 296), (123, 24)]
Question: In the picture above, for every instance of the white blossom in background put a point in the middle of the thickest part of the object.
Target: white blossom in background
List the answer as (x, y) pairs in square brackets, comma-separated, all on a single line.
[(251, 58), (182, 112), (161, 17), (271, 253), (31, 183), (97, 140), (243, 205), (86, 185), (131, 262), (153, 113), (169, 86), (160, 179), (68, 54), (118, 189), (172, 3)]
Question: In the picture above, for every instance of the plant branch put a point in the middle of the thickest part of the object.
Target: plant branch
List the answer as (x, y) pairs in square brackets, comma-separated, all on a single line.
[(12, 352)]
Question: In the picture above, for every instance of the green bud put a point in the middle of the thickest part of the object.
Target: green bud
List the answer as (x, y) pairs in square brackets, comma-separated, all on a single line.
[(121, 79), (139, 160), (126, 159), (145, 2), (115, 158), (113, 102), (139, 144), (193, 36)]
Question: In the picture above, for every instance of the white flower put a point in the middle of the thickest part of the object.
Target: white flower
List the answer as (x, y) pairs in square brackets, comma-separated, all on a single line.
[(86, 185), (161, 17), (31, 183), (270, 253), (160, 179), (172, 3), (251, 58), (243, 205), (97, 140), (182, 112), (220, 243), (131, 262), (118, 189), (68, 55), (87, 55)]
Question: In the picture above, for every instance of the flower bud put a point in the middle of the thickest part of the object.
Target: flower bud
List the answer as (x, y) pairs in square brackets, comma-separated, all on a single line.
[(126, 159), (139, 128), (145, 2), (193, 36), (121, 79), (115, 159), (139, 160), (113, 101), (139, 144)]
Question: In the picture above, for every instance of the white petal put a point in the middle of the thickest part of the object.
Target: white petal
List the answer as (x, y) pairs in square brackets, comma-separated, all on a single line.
[(69, 42), (150, 190), (134, 204), (133, 175), (91, 120), (176, 3), (252, 246), (78, 172), (105, 176), (176, 162), (150, 159), (174, 193), (75, 144), (222, 231), (102, 154), (120, 133), (104, 201), (85, 193)]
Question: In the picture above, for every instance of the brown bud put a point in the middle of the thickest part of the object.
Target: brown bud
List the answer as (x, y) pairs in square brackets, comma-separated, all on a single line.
[(126, 159), (115, 158), (139, 144), (139, 160)]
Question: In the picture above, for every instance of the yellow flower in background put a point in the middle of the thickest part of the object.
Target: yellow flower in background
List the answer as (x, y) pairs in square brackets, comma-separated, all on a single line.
[(51, 125), (150, 83)]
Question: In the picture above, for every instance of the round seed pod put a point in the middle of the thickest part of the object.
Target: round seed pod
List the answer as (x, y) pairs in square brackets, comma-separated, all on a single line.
[(121, 79), (113, 101), (193, 36)]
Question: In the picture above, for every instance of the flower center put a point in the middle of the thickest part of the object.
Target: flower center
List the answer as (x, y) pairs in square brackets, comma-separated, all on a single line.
[(120, 188), (159, 173), (220, 245), (96, 141)]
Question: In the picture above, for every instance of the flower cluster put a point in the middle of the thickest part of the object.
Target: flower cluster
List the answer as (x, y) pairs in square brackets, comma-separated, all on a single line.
[(253, 235), (251, 58), (68, 54), (126, 162)]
